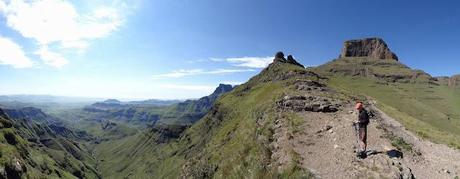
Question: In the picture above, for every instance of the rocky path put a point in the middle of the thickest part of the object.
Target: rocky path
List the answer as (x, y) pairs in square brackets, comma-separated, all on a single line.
[(326, 143), (427, 160)]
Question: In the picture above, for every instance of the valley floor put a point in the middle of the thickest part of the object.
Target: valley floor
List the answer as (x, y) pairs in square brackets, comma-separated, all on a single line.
[(325, 144)]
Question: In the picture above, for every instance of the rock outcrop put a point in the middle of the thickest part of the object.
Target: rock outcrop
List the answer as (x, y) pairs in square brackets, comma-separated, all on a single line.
[(309, 103), (453, 81), (369, 47), (279, 57)]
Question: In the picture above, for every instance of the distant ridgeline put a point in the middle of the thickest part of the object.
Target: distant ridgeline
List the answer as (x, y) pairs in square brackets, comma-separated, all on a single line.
[(155, 111)]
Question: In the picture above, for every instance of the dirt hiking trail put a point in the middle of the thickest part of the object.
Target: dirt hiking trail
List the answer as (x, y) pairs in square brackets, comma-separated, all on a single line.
[(326, 142)]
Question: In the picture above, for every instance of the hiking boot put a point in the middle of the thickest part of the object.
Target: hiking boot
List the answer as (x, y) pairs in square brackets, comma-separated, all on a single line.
[(361, 154)]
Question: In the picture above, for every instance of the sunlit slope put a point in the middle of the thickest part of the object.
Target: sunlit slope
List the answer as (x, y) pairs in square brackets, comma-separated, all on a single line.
[(420, 102)]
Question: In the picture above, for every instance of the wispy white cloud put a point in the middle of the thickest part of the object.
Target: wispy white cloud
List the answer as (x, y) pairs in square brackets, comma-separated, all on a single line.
[(51, 58), (12, 54), (248, 62), (232, 82), (57, 22), (251, 62), (192, 72)]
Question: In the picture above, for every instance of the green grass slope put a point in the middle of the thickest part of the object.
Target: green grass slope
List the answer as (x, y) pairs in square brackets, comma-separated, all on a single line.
[(55, 157), (425, 107), (231, 141)]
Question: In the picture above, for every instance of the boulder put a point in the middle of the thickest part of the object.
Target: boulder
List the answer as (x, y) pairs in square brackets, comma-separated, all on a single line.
[(308, 103), (369, 47), (14, 169)]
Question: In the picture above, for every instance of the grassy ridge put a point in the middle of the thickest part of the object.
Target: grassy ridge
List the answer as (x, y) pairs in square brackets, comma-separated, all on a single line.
[(231, 141), (430, 111)]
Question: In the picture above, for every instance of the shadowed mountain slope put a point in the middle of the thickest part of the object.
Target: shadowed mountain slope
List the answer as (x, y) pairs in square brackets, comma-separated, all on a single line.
[(30, 148)]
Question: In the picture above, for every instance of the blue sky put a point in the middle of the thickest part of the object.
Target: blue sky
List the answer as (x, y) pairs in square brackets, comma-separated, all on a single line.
[(169, 49)]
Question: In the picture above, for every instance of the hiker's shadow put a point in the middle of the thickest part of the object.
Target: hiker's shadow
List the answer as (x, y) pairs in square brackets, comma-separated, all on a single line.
[(391, 153), (373, 152)]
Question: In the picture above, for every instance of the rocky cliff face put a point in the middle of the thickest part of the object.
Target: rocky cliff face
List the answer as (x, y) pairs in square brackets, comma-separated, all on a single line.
[(453, 81), (368, 47)]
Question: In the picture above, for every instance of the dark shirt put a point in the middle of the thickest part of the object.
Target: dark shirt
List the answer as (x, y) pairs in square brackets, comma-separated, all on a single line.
[(363, 118)]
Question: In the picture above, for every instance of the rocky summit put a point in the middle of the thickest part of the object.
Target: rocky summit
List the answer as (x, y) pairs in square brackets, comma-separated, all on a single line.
[(367, 47), (279, 57)]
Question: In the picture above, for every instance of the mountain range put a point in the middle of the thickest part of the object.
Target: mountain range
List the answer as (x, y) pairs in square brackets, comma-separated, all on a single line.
[(288, 121)]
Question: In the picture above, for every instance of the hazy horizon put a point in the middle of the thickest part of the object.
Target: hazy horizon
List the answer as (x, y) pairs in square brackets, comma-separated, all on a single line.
[(95, 98)]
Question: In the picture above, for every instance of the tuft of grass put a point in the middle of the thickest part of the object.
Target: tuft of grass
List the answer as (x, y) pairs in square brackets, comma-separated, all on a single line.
[(295, 170), (399, 143)]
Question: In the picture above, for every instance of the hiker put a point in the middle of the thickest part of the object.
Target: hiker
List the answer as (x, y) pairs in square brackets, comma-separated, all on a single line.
[(362, 122)]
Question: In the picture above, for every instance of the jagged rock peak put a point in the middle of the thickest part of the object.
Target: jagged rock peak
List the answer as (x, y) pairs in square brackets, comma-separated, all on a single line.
[(367, 47), (222, 88), (279, 57)]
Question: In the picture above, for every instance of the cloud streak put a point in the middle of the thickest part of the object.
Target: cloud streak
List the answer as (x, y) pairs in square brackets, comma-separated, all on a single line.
[(248, 62), (193, 72), (51, 58)]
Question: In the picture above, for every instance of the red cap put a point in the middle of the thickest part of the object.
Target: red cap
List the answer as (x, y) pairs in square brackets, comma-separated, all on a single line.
[(359, 105)]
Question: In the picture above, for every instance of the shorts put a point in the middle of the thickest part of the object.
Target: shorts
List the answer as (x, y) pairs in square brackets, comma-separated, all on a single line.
[(363, 133)]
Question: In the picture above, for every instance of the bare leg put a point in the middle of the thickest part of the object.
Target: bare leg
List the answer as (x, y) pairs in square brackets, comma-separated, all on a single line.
[(362, 138)]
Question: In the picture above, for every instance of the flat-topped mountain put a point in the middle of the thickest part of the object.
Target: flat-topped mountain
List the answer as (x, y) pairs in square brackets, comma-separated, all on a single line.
[(374, 48), (371, 57)]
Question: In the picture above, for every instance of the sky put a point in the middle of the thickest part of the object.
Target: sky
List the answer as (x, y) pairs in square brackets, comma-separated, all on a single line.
[(179, 49)]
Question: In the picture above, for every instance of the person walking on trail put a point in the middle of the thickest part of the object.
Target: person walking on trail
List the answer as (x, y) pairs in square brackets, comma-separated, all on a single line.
[(362, 122)]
